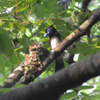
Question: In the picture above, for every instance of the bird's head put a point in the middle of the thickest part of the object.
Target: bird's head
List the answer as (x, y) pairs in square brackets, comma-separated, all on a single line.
[(50, 31)]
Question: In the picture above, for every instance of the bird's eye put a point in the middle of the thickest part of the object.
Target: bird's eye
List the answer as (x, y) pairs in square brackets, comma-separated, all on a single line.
[(48, 30)]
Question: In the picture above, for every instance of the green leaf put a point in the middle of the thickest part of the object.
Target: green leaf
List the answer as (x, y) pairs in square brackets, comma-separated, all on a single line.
[(14, 59), (4, 90), (36, 39), (8, 24), (22, 6), (72, 4), (78, 17), (65, 63), (2, 59), (19, 27), (74, 17), (50, 5), (51, 67), (2, 78), (84, 87), (85, 50), (25, 44), (95, 97), (70, 27), (85, 94), (31, 1), (8, 63), (68, 95), (6, 45), (82, 16), (44, 39), (28, 33), (2, 63), (41, 11), (7, 3), (43, 26), (60, 24), (44, 75), (19, 85)]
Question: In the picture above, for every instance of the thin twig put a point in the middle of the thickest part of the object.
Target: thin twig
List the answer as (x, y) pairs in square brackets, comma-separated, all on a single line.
[(29, 13)]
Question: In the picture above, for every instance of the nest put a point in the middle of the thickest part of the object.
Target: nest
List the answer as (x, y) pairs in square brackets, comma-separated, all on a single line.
[(33, 60)]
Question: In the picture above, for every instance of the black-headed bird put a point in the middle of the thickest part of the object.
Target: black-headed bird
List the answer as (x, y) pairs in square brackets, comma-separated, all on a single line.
[(54, 40)]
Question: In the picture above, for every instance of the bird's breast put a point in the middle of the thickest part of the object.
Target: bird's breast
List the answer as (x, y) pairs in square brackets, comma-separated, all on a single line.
[(54, 42)]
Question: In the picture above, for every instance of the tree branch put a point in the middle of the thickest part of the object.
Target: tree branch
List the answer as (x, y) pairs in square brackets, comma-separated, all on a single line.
[(14, 76), (52, 87), (85, 4)]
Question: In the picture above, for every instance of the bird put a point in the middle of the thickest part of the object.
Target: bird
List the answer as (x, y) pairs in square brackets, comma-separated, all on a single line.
[(54, 40)]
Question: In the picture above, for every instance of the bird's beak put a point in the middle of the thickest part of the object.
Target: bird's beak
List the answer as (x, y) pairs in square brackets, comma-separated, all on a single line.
[(45, 34)]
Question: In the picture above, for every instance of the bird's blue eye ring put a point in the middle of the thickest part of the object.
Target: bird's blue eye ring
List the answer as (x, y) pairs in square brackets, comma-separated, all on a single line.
[(48, 30)]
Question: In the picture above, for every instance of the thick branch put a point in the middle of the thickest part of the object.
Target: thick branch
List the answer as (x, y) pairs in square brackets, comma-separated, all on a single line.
[(85, 4), (50, 88), (14, 76)]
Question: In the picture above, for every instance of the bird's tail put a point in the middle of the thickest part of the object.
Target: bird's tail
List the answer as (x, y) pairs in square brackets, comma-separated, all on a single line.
[(59, 63)]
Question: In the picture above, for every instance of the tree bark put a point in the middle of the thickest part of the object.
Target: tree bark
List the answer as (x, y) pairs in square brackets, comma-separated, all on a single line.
[(85, 4), (52, 87)]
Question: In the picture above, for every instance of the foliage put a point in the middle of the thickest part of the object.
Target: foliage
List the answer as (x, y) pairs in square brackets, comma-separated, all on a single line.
[(24, 21)]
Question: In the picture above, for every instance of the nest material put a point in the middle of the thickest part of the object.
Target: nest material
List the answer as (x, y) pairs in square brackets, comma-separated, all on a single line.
[(33, 60)]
